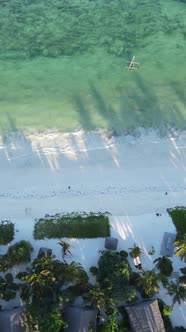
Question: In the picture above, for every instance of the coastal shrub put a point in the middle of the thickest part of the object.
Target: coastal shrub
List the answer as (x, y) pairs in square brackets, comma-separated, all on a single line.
[(93, 271), (166, 319), (72, 225), (9, 278), (18, 253), (114, 274), (167, 310), (111, 324), (7, 287), (180, 243), (6, 232), (125, 319), (124, 254), (178, 215), (43, 319)]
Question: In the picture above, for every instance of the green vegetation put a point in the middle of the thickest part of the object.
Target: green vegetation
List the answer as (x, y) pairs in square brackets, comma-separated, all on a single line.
[(125, 319), (178, 292), (146, 282), (114, 275), (111, 324), (165, 316), (178, 216), (42, 293), (164, 265), (18, 253), (73, 226), (167, 310), (7, 287), (181, 247), (135, 251), (6, 232), (49, 285), (65, 248)]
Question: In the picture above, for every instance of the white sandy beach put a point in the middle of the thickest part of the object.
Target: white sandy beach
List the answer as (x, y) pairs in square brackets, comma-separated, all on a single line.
[(126, 176)]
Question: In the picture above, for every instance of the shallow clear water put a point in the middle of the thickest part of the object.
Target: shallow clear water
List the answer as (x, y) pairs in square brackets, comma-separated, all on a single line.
[(64, 66)]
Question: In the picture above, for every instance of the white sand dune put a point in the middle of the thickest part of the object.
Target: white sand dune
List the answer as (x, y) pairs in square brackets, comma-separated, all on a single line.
[(127, 176)]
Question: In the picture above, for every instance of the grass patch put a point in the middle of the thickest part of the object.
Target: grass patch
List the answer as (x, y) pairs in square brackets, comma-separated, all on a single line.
[(6, 232), (72, 225), (178, 215)]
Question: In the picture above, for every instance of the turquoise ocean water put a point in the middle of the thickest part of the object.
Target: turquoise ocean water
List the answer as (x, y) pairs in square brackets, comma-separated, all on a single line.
[(63, 64)]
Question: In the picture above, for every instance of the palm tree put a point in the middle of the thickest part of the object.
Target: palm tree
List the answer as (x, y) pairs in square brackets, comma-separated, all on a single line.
[(42, 288), (98, 297), (178, 292), (75, 273), (38, 286), (148, 282), (135, 251), (181, 245), (164, 264), (41, 280), (65, 248)]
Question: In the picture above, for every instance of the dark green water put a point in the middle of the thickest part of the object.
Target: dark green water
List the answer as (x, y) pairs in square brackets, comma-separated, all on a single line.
[(62, 64)]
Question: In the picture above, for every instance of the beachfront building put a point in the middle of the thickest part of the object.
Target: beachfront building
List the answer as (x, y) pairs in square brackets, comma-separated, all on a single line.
[(145, 316)]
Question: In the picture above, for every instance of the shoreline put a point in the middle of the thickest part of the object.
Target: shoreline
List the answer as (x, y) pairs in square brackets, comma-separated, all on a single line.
[(102, 171)]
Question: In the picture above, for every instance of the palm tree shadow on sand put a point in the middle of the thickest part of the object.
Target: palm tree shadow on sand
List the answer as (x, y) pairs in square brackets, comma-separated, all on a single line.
[(17, 148)]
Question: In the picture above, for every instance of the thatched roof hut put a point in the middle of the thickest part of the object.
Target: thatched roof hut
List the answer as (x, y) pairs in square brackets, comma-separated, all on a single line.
[(79, 318), (146, 317)]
